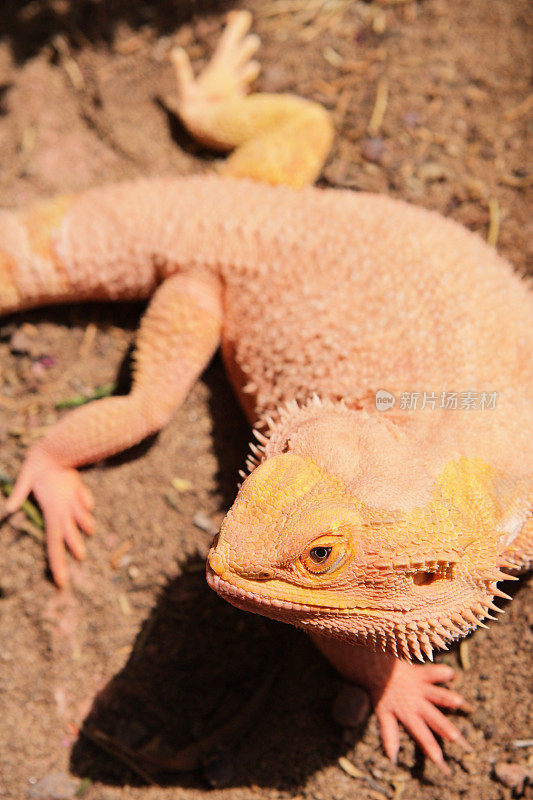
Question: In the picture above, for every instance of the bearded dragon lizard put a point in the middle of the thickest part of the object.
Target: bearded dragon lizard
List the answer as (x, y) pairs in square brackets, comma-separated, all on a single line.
[(381, 533)]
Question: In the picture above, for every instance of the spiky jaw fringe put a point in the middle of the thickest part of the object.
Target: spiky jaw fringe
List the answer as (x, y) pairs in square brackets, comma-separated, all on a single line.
[(403, 638)]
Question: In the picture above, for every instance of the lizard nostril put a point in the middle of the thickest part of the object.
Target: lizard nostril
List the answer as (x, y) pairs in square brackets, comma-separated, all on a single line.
[(264, 575), (251, 573)]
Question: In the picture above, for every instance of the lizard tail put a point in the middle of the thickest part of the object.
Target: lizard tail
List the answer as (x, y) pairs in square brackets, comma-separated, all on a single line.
[(30, 272)]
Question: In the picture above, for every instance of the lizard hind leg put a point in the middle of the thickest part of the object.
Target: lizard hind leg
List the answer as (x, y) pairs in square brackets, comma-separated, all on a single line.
[(275, 138)]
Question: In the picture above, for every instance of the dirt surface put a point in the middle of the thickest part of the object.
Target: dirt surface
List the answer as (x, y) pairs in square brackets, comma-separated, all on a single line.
[(142, 649)]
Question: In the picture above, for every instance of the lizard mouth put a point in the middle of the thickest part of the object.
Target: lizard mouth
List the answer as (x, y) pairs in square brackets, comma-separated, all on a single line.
[(242, 594)]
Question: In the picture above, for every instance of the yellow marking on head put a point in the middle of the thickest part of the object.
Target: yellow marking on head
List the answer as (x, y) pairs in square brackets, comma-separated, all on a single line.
[(468, 483), (460, 517), (280, 482)]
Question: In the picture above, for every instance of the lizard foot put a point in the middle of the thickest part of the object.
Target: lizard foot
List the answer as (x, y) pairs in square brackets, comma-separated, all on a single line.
[(66, 504), (227, 76), (401, 693), (411, 696)]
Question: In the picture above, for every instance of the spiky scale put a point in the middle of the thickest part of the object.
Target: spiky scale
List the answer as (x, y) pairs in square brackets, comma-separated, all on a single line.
[(498, 593), (425, 644), (261, 438), (438, 641), (414, 646)]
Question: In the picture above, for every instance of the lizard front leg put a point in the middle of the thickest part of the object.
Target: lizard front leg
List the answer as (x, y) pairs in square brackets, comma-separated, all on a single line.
[(178, 335), (275, 138), (400, 692)]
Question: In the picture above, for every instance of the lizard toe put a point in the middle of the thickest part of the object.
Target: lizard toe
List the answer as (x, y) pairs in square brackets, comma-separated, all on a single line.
[(84, 519), (73, 538), (57, 561), (390, 734)]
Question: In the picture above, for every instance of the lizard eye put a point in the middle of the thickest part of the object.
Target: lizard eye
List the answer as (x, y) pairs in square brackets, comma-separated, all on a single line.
[(319, 554), (324, 558)]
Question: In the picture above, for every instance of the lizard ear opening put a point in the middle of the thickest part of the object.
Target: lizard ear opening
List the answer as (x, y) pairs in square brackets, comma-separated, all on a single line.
[(425, 578)]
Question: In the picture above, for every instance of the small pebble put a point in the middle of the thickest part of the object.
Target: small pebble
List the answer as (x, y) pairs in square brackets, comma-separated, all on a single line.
[(48, 361), (26, 341), (432, 171), (181, 485), (476, 188), (412, 119), (219, 767), (54, 786), (351, 707), (275, 78), (372, 149), (512, 775)]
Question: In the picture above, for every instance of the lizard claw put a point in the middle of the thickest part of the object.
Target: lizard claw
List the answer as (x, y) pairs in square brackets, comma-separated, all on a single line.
[(229, 73), (66, 504), (412, 697)]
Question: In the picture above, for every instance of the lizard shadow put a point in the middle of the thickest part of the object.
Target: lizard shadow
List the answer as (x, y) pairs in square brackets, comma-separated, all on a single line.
[(30, 27), (181, 136), (195, 663)]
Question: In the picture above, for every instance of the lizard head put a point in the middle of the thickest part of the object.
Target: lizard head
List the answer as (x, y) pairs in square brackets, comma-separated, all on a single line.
[(342, 531)]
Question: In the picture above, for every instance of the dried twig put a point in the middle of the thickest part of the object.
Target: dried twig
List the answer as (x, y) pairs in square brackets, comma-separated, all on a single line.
[(494, 222), (105, 743), (464, 655), (380, 106), (88, 339), (351, 770)]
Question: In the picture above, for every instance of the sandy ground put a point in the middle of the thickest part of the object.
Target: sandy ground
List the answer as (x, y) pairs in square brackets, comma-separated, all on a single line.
[(142, 645)]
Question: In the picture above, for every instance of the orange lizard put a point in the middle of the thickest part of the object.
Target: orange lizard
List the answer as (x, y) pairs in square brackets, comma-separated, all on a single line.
[(381, 532)]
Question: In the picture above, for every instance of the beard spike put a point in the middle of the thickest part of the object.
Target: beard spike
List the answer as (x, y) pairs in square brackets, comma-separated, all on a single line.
[(414, 646), (402, 643), (438, 641), (425, 644), (493, 589), (416, 639), (261, 438)]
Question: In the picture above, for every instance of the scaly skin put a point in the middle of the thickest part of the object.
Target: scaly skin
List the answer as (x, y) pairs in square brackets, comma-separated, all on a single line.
[(382, 534)]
